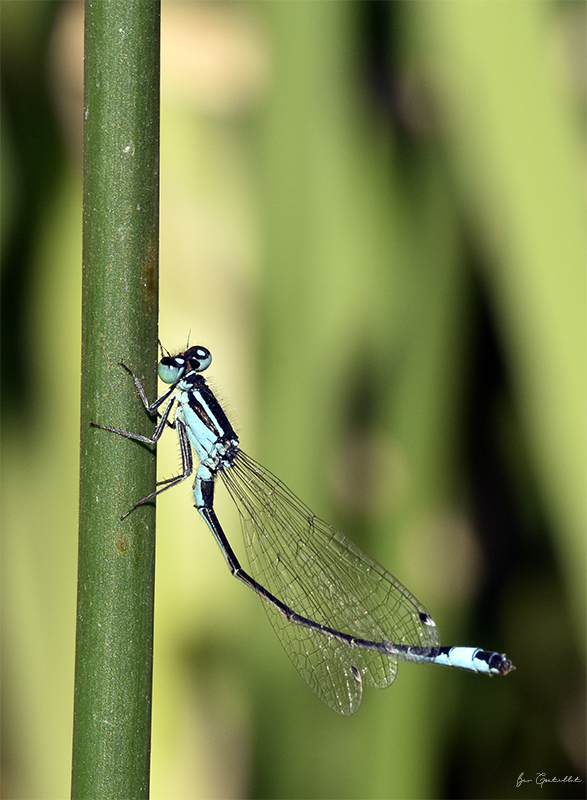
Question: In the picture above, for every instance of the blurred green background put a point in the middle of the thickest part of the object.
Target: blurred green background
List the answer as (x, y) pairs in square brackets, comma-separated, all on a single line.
[(374, 215)]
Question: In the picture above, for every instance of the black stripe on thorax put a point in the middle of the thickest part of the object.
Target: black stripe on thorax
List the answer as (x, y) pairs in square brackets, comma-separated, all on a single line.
[(198, 382)]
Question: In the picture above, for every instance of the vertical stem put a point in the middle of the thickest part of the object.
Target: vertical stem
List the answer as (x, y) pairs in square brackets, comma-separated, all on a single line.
[(112, 712)]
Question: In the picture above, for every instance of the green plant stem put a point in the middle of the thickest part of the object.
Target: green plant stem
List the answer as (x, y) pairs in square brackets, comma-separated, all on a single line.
[(112, 711)]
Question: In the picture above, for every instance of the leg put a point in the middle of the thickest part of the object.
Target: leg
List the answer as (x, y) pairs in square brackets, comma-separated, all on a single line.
[(187, 465), (137, 436), (150, 407)]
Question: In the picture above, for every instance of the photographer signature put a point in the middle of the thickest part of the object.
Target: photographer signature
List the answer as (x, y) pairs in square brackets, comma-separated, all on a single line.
[(541, 779)]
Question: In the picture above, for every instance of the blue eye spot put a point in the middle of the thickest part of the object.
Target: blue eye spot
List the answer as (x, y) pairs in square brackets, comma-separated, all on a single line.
[(170, 369)]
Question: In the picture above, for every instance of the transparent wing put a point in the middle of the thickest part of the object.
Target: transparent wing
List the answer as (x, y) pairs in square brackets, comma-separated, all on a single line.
[(322, 575)]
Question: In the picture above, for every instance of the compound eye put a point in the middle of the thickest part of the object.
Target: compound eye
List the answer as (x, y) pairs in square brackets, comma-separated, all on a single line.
[(171, 369), (199, 358)]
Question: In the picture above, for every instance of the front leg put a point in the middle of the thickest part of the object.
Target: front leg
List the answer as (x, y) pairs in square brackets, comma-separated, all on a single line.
[(151, 408)]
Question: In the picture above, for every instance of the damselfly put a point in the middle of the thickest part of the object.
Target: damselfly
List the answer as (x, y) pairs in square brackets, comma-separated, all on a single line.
[(343, 620)]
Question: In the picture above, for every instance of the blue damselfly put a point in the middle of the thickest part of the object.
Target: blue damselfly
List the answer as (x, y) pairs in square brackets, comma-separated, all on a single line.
[(342, 618)]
